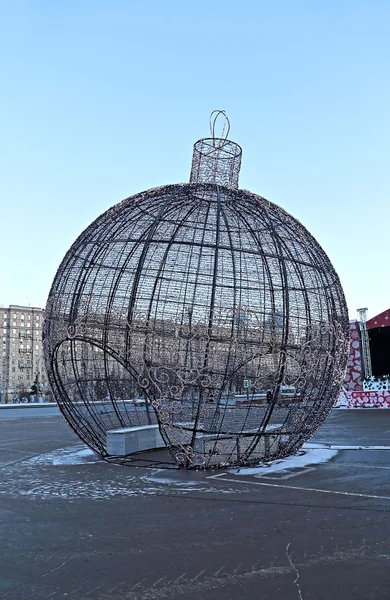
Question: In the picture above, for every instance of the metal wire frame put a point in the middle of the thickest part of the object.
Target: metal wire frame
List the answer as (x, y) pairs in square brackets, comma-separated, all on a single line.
[(195, 307), (216, 159)]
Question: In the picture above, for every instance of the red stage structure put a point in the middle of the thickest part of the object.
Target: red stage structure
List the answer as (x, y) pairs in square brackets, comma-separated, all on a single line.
[(367, 381)]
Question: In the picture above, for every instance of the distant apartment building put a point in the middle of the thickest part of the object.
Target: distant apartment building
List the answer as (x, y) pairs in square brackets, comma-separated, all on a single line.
[(22, 352)]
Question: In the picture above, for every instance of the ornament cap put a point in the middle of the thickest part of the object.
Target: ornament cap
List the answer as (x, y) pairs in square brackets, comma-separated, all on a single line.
[(216, 159)]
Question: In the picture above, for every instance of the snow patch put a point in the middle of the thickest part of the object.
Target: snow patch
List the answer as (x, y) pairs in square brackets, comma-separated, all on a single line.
[(75, 455), (182, 486), (311, 454)]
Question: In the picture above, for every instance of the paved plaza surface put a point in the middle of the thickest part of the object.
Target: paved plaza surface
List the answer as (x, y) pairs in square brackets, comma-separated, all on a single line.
[(77, 528)]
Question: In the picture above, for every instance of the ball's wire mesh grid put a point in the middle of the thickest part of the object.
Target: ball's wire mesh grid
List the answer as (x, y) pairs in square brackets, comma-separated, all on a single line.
[(204, 309)]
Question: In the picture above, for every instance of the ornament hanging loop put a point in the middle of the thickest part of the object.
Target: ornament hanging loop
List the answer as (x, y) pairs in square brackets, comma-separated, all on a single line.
[(220, 139)]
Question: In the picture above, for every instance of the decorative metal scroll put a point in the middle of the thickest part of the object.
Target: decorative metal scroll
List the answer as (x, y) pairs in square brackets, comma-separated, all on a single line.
[(205, 309)]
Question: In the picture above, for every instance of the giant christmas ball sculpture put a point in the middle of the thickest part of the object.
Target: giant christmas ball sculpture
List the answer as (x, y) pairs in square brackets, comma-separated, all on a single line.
[(204, 309)]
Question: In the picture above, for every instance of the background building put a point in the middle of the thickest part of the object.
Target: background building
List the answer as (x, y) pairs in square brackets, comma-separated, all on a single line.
[(22, 352)]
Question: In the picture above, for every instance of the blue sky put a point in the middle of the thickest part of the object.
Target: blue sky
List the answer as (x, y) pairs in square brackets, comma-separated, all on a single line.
[(100, 100)]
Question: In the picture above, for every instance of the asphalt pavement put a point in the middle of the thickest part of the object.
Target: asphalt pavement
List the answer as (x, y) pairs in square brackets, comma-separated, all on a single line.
[(78, 528)]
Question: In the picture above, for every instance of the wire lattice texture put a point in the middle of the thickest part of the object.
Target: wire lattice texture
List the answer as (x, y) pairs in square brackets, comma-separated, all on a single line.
[(203, 308)]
